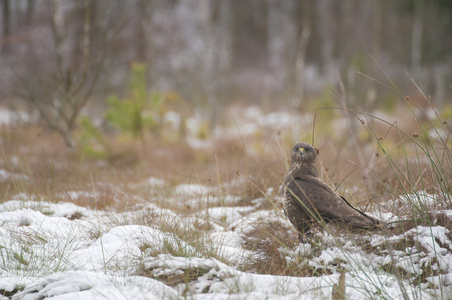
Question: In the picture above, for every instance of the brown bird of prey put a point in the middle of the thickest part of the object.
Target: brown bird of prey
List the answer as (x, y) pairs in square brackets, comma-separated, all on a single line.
[(308, 200)]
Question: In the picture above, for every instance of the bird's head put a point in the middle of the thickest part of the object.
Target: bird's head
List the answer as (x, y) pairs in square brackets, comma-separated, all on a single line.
[(303, 153)]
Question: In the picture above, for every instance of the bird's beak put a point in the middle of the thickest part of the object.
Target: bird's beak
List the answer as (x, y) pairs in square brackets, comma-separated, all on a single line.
[(301, 150)]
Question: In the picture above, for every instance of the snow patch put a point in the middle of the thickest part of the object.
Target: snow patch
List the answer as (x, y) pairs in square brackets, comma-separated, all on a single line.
[(95, 285), (192, 190)]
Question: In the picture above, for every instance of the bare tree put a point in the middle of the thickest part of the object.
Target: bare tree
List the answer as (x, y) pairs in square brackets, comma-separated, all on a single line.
[(143, 29), (326, 33), (206, 49), (216, 57), (59, 73), (416, 40), (304, 13), (6, 28)]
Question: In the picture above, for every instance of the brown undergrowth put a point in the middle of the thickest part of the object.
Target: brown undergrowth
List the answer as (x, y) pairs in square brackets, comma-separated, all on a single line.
[(40, 167)]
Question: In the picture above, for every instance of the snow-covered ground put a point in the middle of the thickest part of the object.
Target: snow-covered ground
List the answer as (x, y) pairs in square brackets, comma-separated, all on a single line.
[(158, 249), (63, 251)]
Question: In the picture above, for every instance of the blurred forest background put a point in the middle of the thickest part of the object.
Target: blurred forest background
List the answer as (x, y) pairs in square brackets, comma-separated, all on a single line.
[(60, 57)]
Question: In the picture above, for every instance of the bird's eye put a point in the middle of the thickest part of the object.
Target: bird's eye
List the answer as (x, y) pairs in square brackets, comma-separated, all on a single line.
[(307, 149)]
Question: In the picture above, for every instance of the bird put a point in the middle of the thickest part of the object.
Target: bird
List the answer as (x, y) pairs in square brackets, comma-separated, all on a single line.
[(309, 201)]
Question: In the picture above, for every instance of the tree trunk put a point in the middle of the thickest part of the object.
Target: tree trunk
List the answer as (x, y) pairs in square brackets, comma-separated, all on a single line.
[(303, 40), (216, 58), (326, 36), (142, 24), (416, 37), (29, 11), (6, 28)]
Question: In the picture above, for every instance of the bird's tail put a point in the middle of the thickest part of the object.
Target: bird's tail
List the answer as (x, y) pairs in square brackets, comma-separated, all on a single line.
[(374, 222)]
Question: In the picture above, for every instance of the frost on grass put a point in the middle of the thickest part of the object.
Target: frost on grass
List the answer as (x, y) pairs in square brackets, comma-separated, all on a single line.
[(122, 244), (211, 252), (91, 285)]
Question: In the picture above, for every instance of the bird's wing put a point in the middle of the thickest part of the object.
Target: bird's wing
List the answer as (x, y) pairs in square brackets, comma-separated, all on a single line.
[(329, 205)]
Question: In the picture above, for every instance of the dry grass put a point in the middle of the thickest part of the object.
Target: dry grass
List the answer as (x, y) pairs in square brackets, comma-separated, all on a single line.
[(266, 240), (49, 170), (393, 164)]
